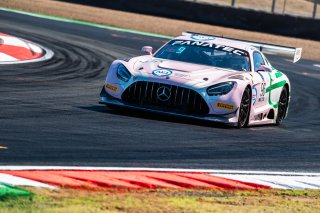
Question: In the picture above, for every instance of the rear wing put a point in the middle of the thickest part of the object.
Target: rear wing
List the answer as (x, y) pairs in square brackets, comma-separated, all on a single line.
[(270, 49)]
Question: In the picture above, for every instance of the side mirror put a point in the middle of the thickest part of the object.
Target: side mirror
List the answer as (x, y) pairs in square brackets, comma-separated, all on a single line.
[(147, 49), (264, 68)]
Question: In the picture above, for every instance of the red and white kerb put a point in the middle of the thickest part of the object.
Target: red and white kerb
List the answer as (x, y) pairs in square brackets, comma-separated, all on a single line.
[(13, 49)]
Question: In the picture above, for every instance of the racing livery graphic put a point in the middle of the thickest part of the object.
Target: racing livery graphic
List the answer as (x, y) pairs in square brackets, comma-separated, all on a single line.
[(204, 77)]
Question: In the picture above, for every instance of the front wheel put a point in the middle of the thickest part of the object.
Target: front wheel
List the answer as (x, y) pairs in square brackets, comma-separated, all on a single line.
[(283, 105), (244, 110)]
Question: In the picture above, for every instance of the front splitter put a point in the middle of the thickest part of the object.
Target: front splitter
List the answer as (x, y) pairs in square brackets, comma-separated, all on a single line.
[(115, 102)]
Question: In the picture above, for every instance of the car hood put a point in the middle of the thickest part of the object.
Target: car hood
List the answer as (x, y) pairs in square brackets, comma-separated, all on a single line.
[(195, 75)]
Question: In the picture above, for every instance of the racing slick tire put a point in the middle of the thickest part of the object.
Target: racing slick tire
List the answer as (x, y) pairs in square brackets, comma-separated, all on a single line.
[(244, 109), (283, 105)]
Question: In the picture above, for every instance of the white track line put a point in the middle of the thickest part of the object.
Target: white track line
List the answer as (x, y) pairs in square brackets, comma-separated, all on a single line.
[(158, 169), (317, 65), (276, 181)]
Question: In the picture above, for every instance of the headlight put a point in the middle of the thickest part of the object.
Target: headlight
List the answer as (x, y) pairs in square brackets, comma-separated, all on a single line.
[(221, 88), (123, 74)]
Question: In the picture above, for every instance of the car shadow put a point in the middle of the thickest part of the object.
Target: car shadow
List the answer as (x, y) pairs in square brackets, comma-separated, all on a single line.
[(154, 116)]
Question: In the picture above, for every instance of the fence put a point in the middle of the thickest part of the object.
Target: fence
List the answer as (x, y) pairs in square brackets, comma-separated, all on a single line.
[(306, 8)]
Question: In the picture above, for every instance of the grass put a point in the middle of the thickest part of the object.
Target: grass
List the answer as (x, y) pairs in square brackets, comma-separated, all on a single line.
[(163, 200), (164, 26)]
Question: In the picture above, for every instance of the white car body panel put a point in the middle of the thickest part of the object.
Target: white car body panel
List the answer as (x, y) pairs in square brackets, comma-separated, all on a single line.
[(265, 86)]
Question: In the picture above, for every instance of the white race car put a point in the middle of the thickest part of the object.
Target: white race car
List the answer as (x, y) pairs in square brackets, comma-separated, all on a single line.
[(204, 77)]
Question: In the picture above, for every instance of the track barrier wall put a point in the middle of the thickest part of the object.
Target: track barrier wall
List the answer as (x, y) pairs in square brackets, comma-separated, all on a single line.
[(287, 25)]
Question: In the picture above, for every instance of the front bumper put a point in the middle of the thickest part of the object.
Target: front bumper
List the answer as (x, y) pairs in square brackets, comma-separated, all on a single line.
[(107, 99)]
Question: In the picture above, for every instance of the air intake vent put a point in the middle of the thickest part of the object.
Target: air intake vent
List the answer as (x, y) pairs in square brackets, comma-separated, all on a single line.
[(165, 97)]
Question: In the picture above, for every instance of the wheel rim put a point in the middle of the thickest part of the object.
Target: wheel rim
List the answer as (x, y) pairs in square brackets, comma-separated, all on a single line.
[(244, 108), (283, 102)]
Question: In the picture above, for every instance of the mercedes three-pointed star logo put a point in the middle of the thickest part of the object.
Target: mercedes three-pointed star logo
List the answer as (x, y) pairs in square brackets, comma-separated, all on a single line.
[(163, 93)]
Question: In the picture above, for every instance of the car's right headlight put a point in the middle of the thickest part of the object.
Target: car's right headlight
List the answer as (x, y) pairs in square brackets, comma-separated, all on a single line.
[(123, 73), (221, 88)]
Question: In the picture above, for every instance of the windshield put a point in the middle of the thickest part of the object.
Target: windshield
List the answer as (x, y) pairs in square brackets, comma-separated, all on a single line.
[(200, 52)]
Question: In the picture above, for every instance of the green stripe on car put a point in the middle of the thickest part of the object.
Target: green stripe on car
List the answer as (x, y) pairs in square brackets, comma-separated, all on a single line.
[(272, 87), (278, 74), (276, 85)]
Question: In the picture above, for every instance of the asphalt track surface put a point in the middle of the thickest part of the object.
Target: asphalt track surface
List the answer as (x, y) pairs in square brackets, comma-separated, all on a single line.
[(49, 112)]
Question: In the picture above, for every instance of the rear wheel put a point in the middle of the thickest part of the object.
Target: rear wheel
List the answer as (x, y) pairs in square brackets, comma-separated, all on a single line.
[(244, 111), (283, 105)]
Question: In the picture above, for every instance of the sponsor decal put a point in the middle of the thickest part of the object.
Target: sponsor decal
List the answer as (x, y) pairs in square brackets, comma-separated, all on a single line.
[(225, 106), (202, 37), (162, 72), (262, 88), (254, 94), (210, 45), (111, 87), (180, 75), (263, 91), (180, 50), (151, 61)]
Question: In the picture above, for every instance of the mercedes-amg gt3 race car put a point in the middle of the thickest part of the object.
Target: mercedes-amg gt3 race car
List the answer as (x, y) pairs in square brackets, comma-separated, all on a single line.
[(204, 77)]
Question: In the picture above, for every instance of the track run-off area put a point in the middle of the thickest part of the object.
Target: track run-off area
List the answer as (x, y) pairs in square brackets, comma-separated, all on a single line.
[(49, 111)]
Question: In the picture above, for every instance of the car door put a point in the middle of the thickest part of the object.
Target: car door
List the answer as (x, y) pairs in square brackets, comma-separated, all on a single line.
[(261, 80)]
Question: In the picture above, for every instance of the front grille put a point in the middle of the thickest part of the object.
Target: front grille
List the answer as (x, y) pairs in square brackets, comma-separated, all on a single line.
[(180, 100)]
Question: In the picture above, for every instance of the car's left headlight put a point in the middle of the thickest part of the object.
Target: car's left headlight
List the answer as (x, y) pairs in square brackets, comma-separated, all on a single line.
[(221, 88), (122, 73)]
